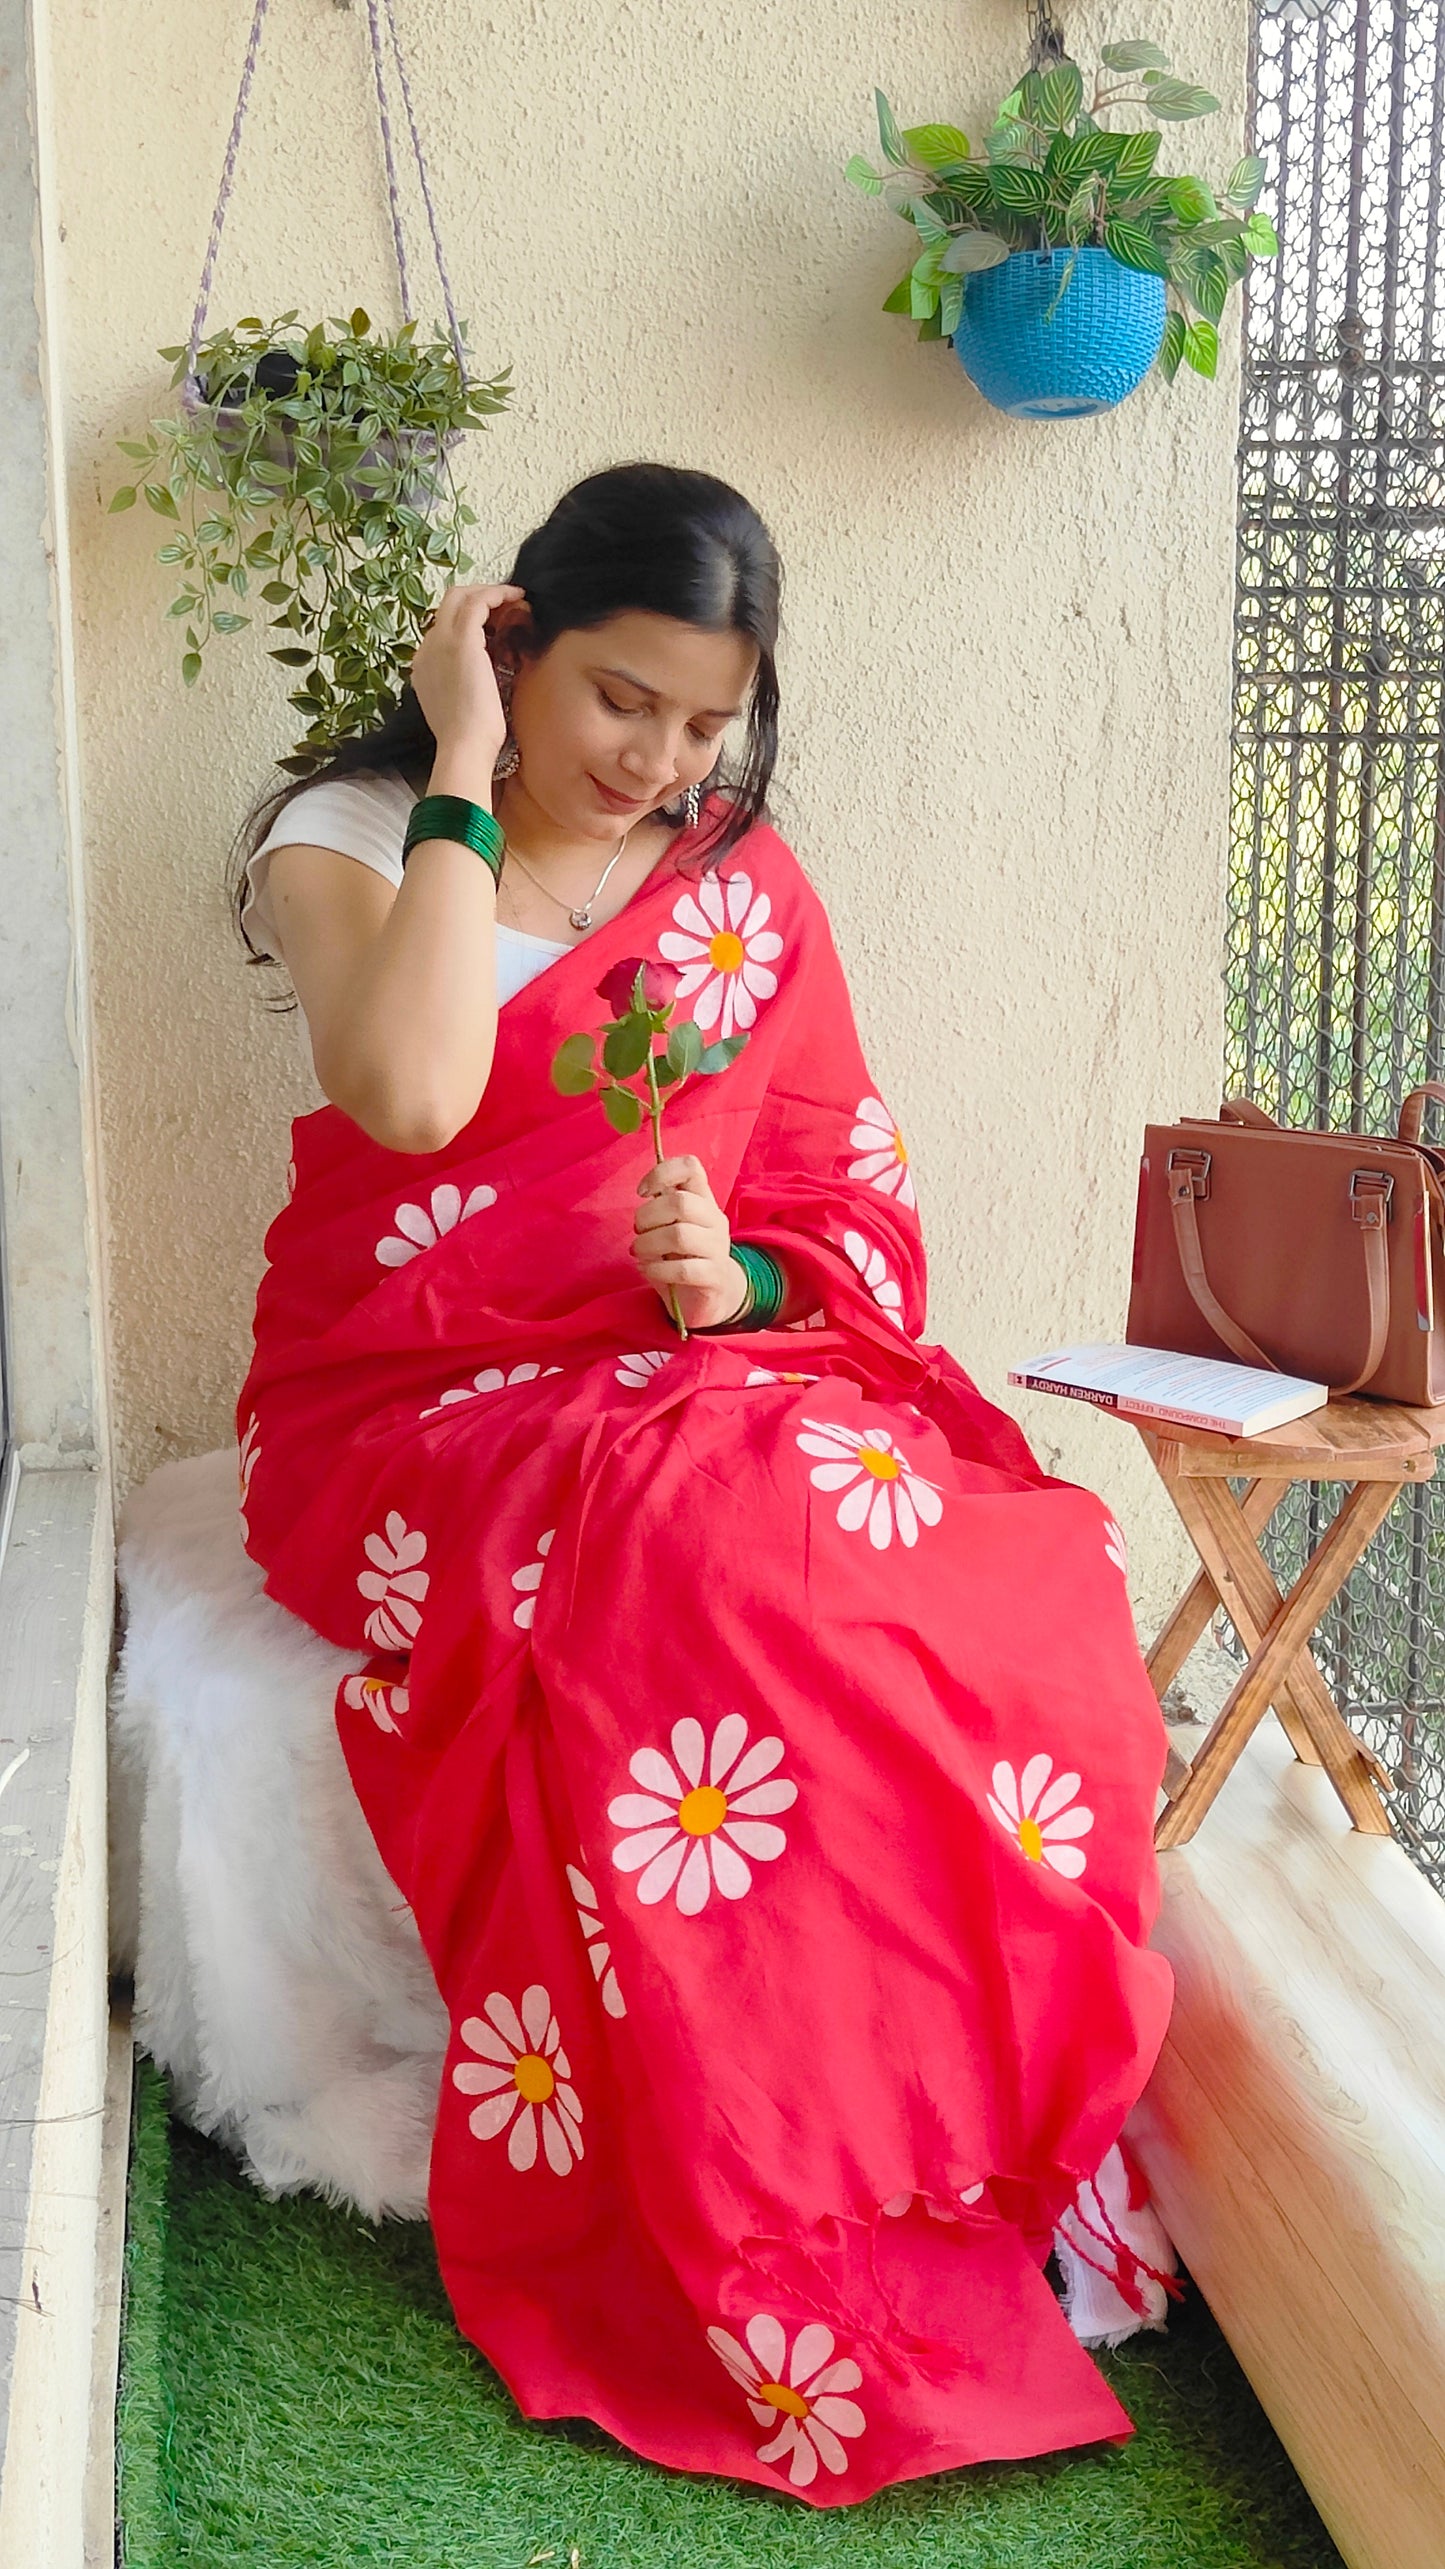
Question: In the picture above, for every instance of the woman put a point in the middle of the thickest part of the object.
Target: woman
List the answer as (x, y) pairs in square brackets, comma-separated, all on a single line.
[(758, 1735)]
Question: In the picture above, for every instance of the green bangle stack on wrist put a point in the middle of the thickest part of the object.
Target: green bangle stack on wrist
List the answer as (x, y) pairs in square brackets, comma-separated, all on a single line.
[(452, 816), (763, 1301)]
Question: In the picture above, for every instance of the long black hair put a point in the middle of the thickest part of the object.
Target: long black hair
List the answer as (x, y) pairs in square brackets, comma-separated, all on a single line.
[(638, 536)]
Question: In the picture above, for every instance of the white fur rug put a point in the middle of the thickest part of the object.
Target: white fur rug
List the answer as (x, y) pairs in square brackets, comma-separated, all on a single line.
[(279, 1977)]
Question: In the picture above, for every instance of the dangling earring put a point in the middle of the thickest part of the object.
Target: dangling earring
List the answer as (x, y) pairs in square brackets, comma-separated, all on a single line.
[(691, 806), (509, 758)]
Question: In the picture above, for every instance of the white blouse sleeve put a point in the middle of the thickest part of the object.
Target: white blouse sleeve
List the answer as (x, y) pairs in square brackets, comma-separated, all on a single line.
[(363, 816)]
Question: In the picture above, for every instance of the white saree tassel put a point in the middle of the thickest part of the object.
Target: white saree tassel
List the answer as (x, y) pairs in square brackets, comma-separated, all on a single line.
[(1115, 2255)]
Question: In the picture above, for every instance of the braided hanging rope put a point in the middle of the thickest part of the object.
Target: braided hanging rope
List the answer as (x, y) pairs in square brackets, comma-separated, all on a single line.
[(192, 391), (1046, 36)]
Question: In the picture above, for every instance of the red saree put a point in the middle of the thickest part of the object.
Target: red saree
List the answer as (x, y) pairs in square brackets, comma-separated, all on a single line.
[(757, 1733)]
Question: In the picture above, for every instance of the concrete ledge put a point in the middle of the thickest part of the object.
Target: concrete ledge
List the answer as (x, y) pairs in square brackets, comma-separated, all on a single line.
[(56, 1596), (1294, 2134)]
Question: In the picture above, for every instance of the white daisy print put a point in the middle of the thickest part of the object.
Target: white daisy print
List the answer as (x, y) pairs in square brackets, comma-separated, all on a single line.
[(877, 1275), (1037, 1817), (801, 2395), (765, 1374), (492, 1378), (1115, 1545), (726, 949), (697, 1835), (290, 1177), (249, 1456), (387, 1704), (880, 1488), (599, 1952), (898, 2204), (636, 1372), (398, 1584), (528, 1581), (420, 1226), (884, 1161), (522, 2076)]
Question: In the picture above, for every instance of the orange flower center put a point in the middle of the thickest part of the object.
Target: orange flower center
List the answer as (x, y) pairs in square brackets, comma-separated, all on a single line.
[(702, 1810), (726, 952), (778, 2395), (884, 1467), (900, 1150), (533, 2078), (1031, 1839)]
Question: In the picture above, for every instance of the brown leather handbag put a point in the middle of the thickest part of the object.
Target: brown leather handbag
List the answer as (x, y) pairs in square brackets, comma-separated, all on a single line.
[(1320, 1254)]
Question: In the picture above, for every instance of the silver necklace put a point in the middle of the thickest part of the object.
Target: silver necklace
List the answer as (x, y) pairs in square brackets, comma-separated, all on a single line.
[(581, 917)]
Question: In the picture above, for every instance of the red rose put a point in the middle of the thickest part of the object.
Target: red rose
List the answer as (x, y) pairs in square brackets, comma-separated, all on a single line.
[(659, 985)]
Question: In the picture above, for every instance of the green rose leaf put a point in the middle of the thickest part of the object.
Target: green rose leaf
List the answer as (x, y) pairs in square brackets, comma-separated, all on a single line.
[(1172, 350), (1244, 183), (626, 1047), (622, 1110), (1201, 347), (888, 134), (1177, 102), (1138, 55), (720, 1056), (573, 1073), (684, 1049)]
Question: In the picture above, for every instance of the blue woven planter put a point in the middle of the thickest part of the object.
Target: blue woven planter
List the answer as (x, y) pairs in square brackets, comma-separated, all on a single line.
[(1096, 345)]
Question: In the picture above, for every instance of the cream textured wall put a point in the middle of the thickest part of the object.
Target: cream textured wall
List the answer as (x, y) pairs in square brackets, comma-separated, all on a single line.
[(1005, 660)]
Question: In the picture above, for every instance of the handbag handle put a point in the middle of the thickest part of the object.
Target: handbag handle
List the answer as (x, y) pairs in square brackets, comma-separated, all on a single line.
[(1369, 1221), (1243, 1110), (1412, 1113)]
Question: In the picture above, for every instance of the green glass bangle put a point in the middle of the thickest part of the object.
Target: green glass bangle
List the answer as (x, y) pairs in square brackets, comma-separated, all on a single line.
[(452, 816), (763, 1299)]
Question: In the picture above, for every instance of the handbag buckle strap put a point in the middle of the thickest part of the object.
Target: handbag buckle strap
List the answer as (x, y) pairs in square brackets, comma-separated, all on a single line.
[(1370, 1193), (1193, 1166)]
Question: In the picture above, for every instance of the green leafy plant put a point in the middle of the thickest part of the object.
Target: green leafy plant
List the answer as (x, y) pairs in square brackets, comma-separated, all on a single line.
[(1054, 173), (642, 1054), (310, 471)]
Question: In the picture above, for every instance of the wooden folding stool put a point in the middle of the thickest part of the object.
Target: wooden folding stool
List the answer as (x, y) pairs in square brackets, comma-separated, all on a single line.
[(1378, 1449)]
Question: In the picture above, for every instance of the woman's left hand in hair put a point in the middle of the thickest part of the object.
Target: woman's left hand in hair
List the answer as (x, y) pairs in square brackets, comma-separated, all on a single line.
[(684, 1246)]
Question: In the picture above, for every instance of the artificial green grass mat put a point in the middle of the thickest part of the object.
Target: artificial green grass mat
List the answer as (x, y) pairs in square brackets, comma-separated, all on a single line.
[(295, 2395)]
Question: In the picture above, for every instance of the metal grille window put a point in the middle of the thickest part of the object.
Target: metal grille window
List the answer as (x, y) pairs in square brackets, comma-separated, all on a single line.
[(1336, 962)]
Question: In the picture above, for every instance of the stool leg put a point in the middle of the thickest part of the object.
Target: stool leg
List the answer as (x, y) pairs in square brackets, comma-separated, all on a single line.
[(1227, 1549), (1307, 1710), (1178, 1636)]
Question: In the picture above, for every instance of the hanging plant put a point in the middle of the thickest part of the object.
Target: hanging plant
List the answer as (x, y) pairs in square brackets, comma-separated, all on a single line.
[(1060, 261), (309, 471)]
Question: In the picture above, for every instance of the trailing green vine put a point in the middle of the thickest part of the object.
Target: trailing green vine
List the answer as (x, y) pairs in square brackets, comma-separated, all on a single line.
[(308, 473)]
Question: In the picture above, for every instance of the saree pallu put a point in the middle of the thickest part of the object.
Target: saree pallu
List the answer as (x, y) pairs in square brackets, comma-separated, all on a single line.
[(758, 1735)]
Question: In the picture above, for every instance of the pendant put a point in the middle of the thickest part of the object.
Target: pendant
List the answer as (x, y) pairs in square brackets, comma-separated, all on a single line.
[(581, 918)]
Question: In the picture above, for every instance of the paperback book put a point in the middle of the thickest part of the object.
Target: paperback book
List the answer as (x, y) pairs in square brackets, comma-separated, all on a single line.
[(1185, 1391)]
